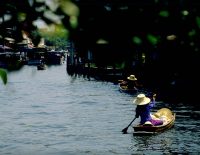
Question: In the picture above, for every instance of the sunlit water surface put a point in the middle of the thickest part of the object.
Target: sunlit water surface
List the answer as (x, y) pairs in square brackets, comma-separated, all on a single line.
[(50, 112)]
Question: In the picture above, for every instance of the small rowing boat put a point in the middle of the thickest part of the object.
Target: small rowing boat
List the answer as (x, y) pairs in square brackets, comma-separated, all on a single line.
[(165, 114), (41, 67), (125, 89)]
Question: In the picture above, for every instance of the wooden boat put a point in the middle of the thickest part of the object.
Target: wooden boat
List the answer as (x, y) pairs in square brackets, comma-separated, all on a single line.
[(41, 67), (164, 113), (125, 89)]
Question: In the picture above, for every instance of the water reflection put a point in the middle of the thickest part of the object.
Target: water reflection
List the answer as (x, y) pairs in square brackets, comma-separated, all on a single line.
[(158, 144)]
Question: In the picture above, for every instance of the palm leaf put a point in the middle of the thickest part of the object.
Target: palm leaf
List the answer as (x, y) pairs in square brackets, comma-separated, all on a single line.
[(3, 75)]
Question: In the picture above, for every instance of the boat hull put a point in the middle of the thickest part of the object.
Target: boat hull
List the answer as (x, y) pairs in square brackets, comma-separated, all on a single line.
[(41, 67), (150, 129), (126, 90)]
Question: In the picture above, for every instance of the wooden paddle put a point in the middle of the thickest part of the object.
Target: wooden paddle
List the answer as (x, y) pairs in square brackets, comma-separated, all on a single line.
[(126, 128)]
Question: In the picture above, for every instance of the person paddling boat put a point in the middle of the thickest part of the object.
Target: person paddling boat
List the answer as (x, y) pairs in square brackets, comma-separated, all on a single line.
[(143, 110), (150, 123)]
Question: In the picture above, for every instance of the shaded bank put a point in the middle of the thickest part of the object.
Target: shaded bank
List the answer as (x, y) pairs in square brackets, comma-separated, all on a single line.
[(176, 88)]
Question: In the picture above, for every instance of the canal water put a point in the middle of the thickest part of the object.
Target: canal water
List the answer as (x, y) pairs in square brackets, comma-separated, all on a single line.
[(49, 112)]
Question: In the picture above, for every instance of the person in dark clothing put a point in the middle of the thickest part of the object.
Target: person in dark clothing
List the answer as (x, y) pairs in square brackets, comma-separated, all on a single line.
[(131, 83)]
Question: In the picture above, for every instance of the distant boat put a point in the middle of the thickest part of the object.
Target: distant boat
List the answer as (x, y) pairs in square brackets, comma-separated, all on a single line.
[(34, 62), (41, 67), (125, 89)]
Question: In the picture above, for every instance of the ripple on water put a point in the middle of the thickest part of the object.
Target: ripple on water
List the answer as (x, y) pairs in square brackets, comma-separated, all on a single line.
[(52, 113)]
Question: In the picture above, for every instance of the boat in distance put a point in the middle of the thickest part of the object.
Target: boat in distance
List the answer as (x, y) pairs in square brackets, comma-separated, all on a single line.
[(125, 89)]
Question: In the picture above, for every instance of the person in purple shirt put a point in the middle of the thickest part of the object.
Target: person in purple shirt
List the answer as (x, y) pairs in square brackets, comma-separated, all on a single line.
[(143, 109)]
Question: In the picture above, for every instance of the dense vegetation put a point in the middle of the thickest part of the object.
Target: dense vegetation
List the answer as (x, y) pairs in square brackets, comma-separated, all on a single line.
[(158, 40)]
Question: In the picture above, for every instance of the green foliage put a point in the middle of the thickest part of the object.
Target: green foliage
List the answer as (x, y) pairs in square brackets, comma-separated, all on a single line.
[(185, 12), (3, 75), (120, 65), (192, 33), (137, 40), (198, 21), (152, 39), (57, 35), (72, 10), (166, 25), (164, 13), (167, 30)]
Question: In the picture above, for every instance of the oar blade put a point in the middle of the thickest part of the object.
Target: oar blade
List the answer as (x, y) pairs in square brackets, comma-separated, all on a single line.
[(125, 130)]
